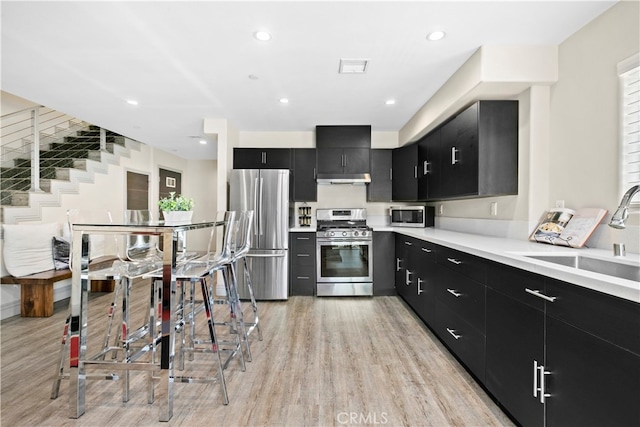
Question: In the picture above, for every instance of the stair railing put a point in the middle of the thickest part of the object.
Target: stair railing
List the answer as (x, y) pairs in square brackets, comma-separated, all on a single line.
[(24, 132)]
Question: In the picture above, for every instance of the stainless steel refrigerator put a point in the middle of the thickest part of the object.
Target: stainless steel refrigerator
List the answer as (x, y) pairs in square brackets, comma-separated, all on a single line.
[(266, 192)]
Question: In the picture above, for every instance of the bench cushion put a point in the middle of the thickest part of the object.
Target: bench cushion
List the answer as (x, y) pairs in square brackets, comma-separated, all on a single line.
[(27, 248)]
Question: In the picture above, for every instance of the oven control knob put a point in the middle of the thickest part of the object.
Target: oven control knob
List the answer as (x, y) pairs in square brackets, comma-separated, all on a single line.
[(344, 234), (355, 233), (364, 233), (332, 234)]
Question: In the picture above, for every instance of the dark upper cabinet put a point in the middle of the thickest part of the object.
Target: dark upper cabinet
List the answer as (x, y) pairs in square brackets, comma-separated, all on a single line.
[(343, 149), (379, 189), (405, 173), (261, 158), (343, 160), (428, 178), (343, 136), (473, 154), (478, 151), (303, 175)]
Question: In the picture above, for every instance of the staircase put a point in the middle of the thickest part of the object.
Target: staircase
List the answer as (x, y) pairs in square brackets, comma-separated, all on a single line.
[(55, 162), (69, 153)]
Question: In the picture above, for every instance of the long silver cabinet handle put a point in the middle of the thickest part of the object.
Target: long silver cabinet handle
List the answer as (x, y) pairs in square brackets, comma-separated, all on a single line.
[(303, 277), (408, 243), (408, 277), (398, 260), (454, 293), (543, 394), (420, 286), (454, 158), (540, 295), (302, 255), (535, 378), (302, 238), (455, 261), (453, 333), (426, 250)]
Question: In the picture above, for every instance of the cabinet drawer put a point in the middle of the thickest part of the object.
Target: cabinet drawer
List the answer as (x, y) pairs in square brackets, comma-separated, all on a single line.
[(462, 295), (512, 282), (303, 271), (303, 258), (612, 319), (303, 285), (303, 242), (463, 263), (427, 251), (465, 341)]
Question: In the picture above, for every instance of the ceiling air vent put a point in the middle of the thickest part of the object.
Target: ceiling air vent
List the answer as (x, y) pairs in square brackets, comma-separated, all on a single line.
[(353, 66)]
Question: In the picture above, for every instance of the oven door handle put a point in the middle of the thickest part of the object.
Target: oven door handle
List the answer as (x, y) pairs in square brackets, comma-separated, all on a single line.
[(343, 243)]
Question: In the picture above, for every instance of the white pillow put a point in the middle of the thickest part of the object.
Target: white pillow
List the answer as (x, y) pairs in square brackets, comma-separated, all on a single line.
[(27, 248)]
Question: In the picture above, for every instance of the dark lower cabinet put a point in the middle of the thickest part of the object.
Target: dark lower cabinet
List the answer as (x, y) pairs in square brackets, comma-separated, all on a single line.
[(464, 340), (302, 264), (515, 339), (591, 382), (383, 257), (551, 353), (427, 277)]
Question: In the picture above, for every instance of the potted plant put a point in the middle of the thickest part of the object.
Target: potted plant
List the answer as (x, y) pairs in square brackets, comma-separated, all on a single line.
[(176, 208)]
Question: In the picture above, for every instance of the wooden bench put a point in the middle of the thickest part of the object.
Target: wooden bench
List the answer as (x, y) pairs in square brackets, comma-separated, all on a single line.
[(36, 290)]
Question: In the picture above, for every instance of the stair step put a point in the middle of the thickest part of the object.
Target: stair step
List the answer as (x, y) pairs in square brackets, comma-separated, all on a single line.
[(14, 198)]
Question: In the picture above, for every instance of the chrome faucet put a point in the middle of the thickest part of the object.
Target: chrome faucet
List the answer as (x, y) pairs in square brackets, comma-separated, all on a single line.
[(621, 214)]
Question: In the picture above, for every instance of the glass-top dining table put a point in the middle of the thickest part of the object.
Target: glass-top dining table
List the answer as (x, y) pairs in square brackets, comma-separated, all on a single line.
[(78, 328)]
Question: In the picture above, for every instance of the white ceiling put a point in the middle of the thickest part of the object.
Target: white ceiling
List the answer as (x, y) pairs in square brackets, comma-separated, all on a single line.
[(187, 61)]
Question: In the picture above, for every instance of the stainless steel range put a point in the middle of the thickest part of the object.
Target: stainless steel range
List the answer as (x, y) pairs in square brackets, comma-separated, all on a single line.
[(344, 251)]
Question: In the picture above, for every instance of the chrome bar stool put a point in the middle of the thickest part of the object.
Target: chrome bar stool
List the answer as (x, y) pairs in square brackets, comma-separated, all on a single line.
[(198, 270), (124, 271), (239, 254)]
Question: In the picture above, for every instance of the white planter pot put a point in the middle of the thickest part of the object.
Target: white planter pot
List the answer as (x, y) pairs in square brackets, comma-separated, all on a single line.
[(177, 216)]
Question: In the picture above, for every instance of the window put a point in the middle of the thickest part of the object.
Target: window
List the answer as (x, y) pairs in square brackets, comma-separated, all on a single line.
[(629, 73)]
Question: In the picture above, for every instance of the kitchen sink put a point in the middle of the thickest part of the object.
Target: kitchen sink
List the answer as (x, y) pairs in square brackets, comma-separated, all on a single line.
[(602, 266)]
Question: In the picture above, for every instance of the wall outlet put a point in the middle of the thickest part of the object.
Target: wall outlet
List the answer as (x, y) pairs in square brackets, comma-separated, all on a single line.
[(440, 209), (494, 209), (560, 204)]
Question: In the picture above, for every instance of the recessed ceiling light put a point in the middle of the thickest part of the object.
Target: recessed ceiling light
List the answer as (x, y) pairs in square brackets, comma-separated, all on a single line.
[(284, 101), (390, 101), (132, 102), (436, 35), (253, 77), (203, 142), (353, 66), (263, 36)]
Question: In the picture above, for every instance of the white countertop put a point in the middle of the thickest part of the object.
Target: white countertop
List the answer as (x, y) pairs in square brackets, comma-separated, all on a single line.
[(513, 252)]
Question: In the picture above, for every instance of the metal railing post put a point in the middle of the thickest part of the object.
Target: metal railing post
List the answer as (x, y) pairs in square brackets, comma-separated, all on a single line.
[(103, 139), (35, 150)]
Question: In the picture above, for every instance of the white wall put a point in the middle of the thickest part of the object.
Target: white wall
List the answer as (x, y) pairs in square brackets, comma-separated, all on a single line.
[(583, 162)]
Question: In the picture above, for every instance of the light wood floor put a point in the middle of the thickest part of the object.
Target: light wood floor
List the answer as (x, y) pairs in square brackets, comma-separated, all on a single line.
[(324, 361)]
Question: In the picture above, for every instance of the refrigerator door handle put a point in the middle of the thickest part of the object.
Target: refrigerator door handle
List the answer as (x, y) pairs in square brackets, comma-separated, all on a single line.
[(259, 205), (256, 212)]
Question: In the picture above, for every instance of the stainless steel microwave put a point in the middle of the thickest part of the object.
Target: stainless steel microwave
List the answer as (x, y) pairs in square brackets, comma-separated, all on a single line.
[(412, 216)]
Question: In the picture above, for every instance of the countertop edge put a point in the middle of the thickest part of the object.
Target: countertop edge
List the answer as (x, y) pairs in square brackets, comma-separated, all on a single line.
[(512, 252)]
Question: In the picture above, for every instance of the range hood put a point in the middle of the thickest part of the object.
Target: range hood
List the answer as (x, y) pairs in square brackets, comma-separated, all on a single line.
[(343, 178), (343, 154)]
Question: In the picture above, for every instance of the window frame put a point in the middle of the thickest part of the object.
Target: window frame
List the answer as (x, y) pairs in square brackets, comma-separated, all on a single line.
[(626, 68)]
